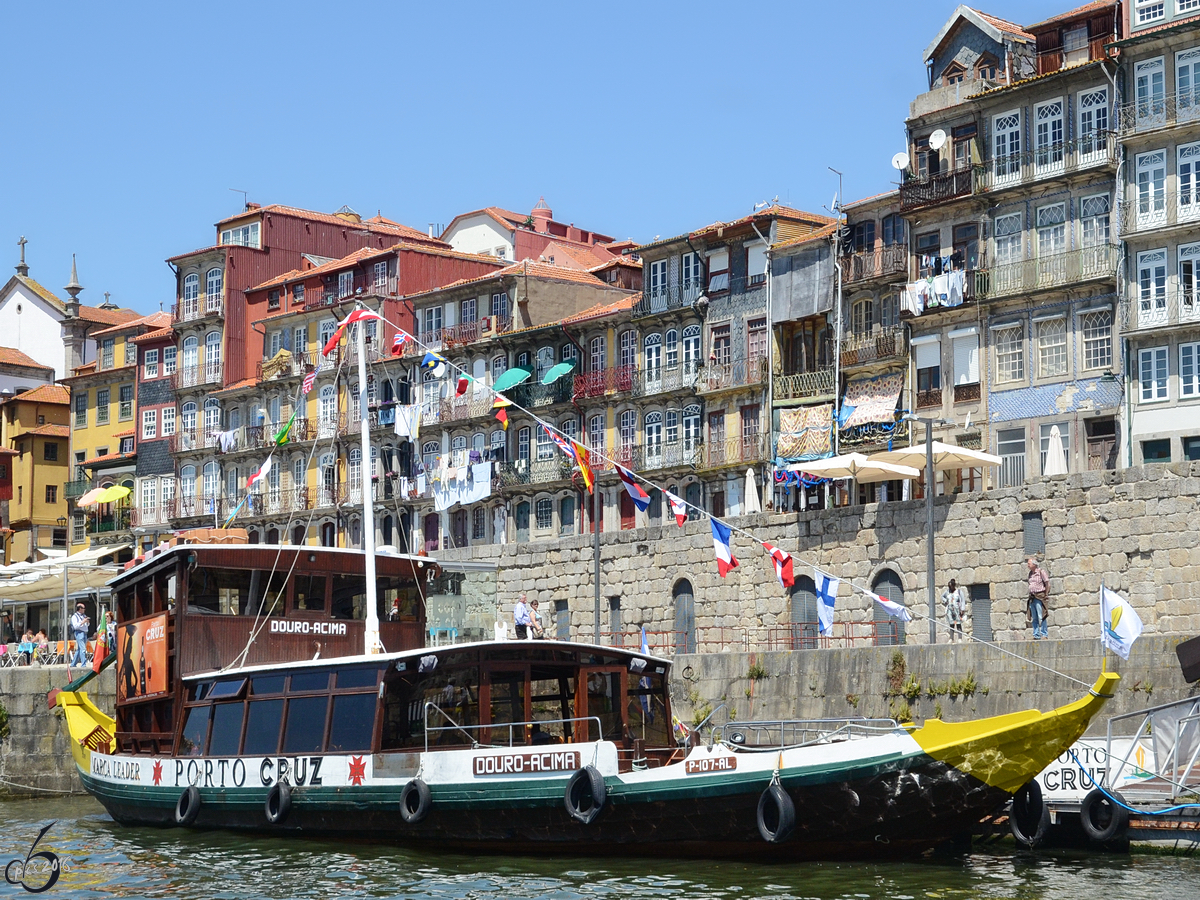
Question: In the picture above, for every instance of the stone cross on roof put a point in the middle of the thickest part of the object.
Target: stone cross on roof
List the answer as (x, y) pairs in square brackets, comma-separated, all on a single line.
[(22, 268)]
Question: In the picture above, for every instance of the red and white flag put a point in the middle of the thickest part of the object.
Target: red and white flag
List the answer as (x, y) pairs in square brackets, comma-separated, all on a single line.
[(463, 381), (309, 380), (678, 507), (398, 342), (783, 565), (259, 475), (359, 315)]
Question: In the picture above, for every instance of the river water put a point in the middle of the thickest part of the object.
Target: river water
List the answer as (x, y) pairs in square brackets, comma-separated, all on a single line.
[(102, 860)]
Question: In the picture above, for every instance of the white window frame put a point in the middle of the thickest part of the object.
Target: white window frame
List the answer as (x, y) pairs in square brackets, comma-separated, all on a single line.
[(1187, 168), (1152, 287), (1049, 136), (1187, 77), (1150, 188), (170, 360), (168, 421), (150, 364), (149, 424), (1006, 147), (1095, 220), (1093, 128), (1013, 349), (1153, 375), (1189, 370), (1053, 359), (1095, 330)]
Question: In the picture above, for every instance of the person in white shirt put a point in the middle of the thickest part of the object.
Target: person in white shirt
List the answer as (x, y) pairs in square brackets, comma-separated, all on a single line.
[(521, 619), (79, 629), (955, 601)]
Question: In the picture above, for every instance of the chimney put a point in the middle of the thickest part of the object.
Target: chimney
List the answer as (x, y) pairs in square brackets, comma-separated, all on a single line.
[(541, 214)]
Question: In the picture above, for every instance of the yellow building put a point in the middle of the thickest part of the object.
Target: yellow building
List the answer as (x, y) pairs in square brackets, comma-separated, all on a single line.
[(35, 425)]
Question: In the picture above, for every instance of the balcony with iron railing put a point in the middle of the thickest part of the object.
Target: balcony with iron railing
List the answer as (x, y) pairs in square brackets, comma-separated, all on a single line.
[(751, 448), (199, 308), (881, 262), (667, 299), (940, 188), (116, 519), (450, 337), (804, 385), (73, 490), (604, 382), (291, 366), (1152, 208), (662, 380), (667, 455), (1161, 110), (1162, 306), (1043, 272), (534, 471), (535, 395), (196, 376), (1092, 151), (738, 373), (882, 346)]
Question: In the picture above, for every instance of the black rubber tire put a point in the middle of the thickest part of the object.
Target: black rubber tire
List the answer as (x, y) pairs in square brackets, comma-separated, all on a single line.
[(1103, 820), (1029, 816), (415, 801), (585, 795), (187, 807), (278, 803), (776, 814)]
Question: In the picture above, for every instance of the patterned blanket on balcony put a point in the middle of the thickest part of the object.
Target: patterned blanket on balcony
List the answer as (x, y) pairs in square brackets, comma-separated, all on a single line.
[(279, 364), (871, 399), (805, 433)]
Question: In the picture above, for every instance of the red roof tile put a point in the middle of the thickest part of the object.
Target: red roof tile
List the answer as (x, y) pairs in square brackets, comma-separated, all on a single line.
[(774, 211), (236, 386), (154, 320), (108, 457), (1095, 6), (210, 249), (107, 316), (156, 335), (627, 261), (600, 310), (376, 223), (51, 431), (819, 234), (11, 356), (129, 432), (45, 393), (1003, 24), (43, 292)]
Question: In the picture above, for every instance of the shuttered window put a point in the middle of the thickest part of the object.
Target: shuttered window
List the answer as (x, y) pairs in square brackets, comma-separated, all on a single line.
[(981, 611), (1034, 533), (929, 354), (966, 359)]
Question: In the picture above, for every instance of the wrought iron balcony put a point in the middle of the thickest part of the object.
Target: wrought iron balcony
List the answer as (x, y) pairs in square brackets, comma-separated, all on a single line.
[(804, 385), (604, 382), (195, 309), (733, 451), (196, 376), (730, 375), (660, 380), (929, 397), (534, 471), (72, 490), (1153, 112), (1154, 208), (668, 455), (114, 520), (934, 189), (967, 393), (878, 263), (1052, 161), (291, 366), (885, 345), (457, 409), (1055, 270), (662, 300), (532, 394), (1177, 304)]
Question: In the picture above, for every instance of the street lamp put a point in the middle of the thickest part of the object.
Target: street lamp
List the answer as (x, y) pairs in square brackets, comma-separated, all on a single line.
[(930, 487)]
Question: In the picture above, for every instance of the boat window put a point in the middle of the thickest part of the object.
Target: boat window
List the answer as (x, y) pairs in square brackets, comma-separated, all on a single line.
[(225, 690), (395, 588), (349, 597), (357, 678), (648, 710), (309, 592), (309, 681), (454, 691), (267, 684), (226, 729), (262, 727), (604, 703), (353, 723), (199, 691), (223, 591), (268, 593), (195, 729), (508, 705), (305, 731), (551, 701)]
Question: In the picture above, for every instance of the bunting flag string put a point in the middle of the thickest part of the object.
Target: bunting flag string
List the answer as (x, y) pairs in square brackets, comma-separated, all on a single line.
[(584, 460), (827, 590), (721, 536), (434, 363), (636, 492), (282, 437), (500, 404), (678, 507), (463, 381), (398, 342), (359, 315), (783, 565), (891, 607)]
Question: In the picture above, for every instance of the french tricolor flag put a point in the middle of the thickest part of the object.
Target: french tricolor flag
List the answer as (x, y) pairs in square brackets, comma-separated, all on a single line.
[(725, 557), (639, 496), (783, 565)]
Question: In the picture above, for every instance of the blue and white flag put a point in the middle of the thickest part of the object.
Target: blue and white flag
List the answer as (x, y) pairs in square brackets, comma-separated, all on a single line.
[(827, 589), (1120, 625), (645, 682)]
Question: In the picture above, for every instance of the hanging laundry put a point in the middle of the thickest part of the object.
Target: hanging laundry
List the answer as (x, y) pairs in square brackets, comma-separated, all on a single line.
[(408, 422), (941, 289), (226, 441), (954, 296)]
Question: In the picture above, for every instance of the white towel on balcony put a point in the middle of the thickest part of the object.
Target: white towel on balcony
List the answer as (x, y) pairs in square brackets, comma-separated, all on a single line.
[(954, 297), (408, 422), (941, 290), (912, 299)]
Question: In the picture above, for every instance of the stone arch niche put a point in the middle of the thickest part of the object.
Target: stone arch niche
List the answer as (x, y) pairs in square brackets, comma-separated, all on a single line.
[(683, 601), (888, 584)]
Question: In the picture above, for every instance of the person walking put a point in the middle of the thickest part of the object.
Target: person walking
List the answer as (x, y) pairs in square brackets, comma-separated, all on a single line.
[(1037, 611), (79, 630), (955, 601), (521, 618)]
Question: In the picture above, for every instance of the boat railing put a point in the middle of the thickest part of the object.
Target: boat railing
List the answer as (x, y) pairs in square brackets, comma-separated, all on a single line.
[(782, 734), (1167, 767), (518, 732)]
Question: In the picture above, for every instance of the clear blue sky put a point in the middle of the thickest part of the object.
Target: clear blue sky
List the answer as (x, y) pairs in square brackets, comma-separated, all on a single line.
[(127, 124)]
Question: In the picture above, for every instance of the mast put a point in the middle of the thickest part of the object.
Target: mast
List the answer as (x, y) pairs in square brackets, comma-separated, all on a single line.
[(371, 635)]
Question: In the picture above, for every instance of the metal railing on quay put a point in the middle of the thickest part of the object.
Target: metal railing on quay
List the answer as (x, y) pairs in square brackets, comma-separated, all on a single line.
[(801, 385), (661, 380), (1054, 270), (666, 299), (703, 639), (604, 381), (1050, 161), (806, 636), (1163, 751), (738, 373), (877, 263), (1158, 111), (1157, 207), (877, 346)]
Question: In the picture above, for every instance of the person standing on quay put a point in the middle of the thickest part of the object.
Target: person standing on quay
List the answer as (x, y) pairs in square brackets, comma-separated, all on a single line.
[(955, 602), (79, 630), (521, 618), (1037, 612)]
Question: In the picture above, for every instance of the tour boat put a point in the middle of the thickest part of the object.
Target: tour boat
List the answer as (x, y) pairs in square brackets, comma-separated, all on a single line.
[(264, 688)]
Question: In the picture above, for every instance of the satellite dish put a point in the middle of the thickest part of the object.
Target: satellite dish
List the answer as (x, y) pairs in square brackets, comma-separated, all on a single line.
[(937, 140), (900, 161)]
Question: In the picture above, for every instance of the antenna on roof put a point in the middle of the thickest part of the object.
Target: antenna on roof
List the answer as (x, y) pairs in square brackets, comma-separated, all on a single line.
[(245, 196)]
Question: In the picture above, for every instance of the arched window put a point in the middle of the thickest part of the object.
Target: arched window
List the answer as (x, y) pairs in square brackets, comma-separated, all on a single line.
[(545, 513), (328, 484), (298, 535), (628, 348), (569, 353), (684, 602), (327, 411), (355, 475), (429, 454), (328, 535), (566, 515), (212, 356), (545, 446), (804, 614), (272, 535), (252, 536), (356, 533), (598, 360), (231, 482), (693, 495), (570, 427), (187, 483), (212, 480), (545, 361), (387, 531), (389, 395), (671, 348), (499, 366), (691, 348), (298, 479), (458, 443), (888, 629), (432, 524), (652, 360), (691, 427), (596, 433), (187, 420), (191, 356), (628, 428), (372, 391), (522, 521), (499, 446), (191, 296), (671, 433), (652, 439), (214, 290), (212, 420), (478, 442)]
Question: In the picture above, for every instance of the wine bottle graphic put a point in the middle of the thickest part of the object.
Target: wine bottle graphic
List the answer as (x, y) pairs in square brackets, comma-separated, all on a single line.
[(142, 668)]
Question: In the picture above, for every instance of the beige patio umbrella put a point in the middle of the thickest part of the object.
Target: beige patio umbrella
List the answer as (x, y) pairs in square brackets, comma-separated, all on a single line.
[(855, 465), (945, 456)]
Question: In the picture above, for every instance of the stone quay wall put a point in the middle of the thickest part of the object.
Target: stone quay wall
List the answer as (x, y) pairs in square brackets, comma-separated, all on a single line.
[(35, 756), (1136, 530)]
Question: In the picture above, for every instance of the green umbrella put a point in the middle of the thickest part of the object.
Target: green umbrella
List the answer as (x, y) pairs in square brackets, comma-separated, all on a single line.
[(563, 368), (511, 378)]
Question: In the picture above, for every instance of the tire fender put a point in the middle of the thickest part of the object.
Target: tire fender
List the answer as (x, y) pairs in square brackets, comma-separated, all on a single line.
[(585, 795), (1101, 818), (187, 807), (1029, 816), (415, 801), (776, 814), (278, 803)]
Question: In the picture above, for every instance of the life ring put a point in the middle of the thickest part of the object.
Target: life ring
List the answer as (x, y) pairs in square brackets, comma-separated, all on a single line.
[(278, 803), (1103, 819), (187, 807), (776, 814), (1029, 817), (585, 795), (415, 801)]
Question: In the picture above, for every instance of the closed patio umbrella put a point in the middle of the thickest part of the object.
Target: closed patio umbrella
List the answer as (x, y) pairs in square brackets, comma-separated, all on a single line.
[(1056, 457), (752, 502)]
